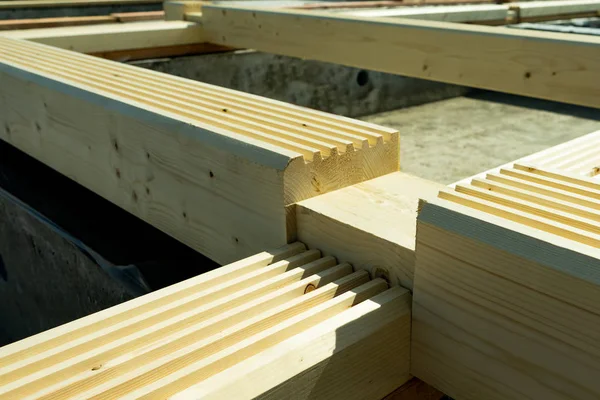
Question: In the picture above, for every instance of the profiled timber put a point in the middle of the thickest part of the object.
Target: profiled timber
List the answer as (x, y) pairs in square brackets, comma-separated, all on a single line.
[(506, 287), (114, 37), (213, 167), (230, 333), (560, 67), (371, 224)]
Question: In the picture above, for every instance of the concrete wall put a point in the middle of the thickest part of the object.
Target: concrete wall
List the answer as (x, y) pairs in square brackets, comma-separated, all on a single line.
[(328, 87)]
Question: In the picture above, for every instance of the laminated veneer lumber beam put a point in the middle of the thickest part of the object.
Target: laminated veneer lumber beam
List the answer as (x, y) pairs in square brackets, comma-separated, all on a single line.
[(114, 37), (506, 287), (200, 338), (552, 66), (213, 167)]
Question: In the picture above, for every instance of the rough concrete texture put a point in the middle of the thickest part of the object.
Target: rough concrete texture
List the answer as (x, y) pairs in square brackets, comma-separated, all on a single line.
[(80, 11), (452, 139), (328, 87), (45, 281)]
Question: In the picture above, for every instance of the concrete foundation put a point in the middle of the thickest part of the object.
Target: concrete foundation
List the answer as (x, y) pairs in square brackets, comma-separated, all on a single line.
[(323, 86)]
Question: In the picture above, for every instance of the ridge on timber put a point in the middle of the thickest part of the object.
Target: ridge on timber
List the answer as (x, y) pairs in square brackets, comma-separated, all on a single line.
[(220, 327), (213, 167), (507, 283), (310, 133)]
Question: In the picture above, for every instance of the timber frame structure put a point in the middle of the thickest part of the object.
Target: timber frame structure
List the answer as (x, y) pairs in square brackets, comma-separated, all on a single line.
[(484, 289)]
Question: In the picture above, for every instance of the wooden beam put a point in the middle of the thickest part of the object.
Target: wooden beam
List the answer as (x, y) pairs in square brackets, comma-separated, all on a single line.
[(359, 354), (506, 287), (33, 23), (139, 16), (115, 37), (176, 10), (371, 224), (191, 336), (181, 154), (577, 156), (456, 13), (12, 4), (560, 67), (389, 3), (532, 9), (161, 52), (11, 24)]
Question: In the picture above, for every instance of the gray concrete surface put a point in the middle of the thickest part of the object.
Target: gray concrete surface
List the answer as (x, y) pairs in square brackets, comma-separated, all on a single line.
[(448, 140), (328, 87)]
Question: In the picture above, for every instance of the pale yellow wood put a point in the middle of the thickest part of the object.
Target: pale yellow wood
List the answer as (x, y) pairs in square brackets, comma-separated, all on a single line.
[(113, 37), (107, 333), (360, 354), (69, 3), (259, 342), (52, 338), (156, 369), (180, 154), (566, 157), (177, 10), (528, 9), (125, 355), (560, 67), (503, 311), (451, 13), (371, 224)]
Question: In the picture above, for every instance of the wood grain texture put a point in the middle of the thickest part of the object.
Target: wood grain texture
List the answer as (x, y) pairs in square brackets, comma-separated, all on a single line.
[(371, 225), (161, 52), (359, 354), (189, 336), (114, 37), (32, 23), (139, 16), (506, 289), (180, 154), (69, 3), (560, 67), (176, 10)]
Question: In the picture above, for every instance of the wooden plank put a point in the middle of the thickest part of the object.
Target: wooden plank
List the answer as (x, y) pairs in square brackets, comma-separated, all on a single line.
[(182, 154), (456, 13), (531, 9), (304, 299), (176, 10), (115, 37), (340, 358), (69, 3), (510, 266), (560, 67), (12, 24), (161, 52), (502, 311), (72, 331), (384, 3), (371, 224), (139, 16)]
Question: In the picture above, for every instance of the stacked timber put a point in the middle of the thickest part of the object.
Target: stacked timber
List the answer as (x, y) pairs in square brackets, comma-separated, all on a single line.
[(280, 324), (215, 168), (579, 156), (507, 286)]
